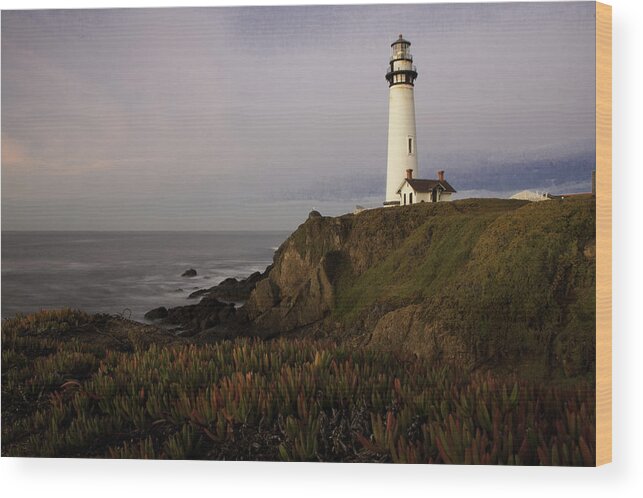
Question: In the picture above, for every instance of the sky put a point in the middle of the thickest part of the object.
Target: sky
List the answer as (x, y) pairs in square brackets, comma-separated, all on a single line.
[(246, 118)]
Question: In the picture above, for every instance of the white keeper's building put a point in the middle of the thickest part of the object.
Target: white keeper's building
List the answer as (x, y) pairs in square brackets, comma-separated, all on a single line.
[(414, 190)]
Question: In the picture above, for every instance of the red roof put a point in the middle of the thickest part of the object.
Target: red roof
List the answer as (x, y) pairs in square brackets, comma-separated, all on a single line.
[(428, 185)]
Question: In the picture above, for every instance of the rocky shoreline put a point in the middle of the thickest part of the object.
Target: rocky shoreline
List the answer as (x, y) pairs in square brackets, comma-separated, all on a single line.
[(219, 312)]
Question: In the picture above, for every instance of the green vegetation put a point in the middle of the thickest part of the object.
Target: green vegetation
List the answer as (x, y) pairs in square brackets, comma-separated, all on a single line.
[(495, 239), (514, 282), (420, 266), (297, 399)]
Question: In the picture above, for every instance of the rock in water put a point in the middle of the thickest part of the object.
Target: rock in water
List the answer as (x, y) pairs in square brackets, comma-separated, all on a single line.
[(189, 273), (208, 313), (231, 289), (156, 313)]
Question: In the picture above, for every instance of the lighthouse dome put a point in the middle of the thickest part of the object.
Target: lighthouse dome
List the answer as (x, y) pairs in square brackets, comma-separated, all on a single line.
[(401, 40)]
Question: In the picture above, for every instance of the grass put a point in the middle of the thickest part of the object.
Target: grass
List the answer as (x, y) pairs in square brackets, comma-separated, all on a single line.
[(423, 265), (434, 254)]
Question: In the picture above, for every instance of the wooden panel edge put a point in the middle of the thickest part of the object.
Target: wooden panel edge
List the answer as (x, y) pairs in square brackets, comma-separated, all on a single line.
[(603, 233)]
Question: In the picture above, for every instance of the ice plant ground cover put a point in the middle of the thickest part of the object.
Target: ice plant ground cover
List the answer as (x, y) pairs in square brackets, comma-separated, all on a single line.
[(285, 399)]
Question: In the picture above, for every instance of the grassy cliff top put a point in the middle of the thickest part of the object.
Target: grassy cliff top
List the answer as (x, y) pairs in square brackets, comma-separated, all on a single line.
[(502, 278), (432, 250)]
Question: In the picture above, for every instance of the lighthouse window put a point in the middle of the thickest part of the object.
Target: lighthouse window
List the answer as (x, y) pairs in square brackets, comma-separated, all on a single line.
[(410, 145)]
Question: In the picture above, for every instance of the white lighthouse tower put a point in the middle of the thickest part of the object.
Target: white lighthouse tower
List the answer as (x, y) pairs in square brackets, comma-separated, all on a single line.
[(402, 155)]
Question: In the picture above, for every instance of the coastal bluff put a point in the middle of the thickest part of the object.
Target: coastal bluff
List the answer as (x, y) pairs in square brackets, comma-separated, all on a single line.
[(476, 281)]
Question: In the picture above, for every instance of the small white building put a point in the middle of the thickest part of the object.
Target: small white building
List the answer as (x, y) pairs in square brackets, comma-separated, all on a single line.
[(529, 195), (414, 190)]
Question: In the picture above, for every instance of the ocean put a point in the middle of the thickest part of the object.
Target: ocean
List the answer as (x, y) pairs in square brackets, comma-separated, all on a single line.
[(123, 272)]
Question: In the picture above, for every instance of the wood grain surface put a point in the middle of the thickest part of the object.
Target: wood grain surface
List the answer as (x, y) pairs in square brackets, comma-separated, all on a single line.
[(603, 233)]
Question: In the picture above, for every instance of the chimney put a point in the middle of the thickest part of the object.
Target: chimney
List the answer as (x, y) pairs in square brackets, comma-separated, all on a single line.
[(409, 174), (441, 175)]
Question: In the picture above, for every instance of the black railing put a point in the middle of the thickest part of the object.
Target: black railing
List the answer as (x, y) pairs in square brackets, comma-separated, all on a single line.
[(401, 70)]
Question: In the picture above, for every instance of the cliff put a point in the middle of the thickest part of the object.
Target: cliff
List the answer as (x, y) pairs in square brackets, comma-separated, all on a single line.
[(473, 282)]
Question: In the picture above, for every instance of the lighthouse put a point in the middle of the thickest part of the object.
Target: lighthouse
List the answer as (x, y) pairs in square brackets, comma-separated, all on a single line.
[(402, 148)]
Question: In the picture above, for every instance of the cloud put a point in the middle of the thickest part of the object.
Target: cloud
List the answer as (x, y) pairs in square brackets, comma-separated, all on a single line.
[(198, 114)]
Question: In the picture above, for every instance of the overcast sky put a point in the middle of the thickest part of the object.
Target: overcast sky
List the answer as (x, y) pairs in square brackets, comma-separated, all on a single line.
[(247, 118)]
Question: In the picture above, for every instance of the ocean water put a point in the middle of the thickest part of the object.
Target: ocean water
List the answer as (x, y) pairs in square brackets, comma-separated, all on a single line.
[(123, 272)]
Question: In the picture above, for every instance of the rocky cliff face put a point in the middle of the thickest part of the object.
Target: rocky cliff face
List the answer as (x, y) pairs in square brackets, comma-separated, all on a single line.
[(300, 288), (473, 281)]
